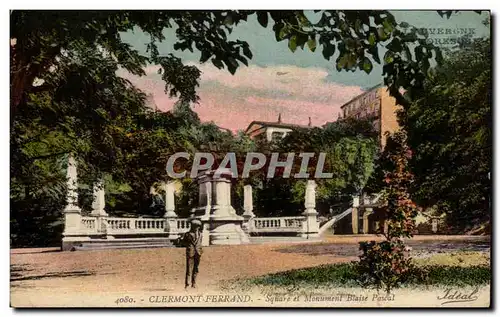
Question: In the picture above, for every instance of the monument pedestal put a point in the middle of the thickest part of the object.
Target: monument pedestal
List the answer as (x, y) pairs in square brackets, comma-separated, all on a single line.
[(170, 215), (310, 227), (221, 225), (72, 212), (71, 234), (248, 207)]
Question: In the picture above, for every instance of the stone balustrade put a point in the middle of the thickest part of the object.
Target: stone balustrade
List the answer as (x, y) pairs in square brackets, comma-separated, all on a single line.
[(277, 224), (89, 225), (183, 225), (221, 224), (134, 225), (131, 226), (145, 226)]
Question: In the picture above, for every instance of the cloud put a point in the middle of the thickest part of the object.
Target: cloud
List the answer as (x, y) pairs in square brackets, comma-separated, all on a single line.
[(258, 93)]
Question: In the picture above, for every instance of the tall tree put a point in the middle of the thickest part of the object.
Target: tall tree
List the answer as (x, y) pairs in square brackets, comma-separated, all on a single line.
[(42, 40), (64, 84), (449, 129), (349, 148)]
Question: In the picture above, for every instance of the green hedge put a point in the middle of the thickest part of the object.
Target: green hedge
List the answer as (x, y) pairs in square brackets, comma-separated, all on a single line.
[(345, 275)]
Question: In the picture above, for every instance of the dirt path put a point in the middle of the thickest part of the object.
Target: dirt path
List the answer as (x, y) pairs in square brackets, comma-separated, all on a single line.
[(45, 275), (146, 269)]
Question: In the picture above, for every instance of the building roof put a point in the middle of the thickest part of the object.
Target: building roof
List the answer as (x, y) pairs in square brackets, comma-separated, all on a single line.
[(276, 125), (225, 129), (359, 96)]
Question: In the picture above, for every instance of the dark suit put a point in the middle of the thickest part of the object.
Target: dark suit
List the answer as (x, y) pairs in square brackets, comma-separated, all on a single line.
[(192, 241)]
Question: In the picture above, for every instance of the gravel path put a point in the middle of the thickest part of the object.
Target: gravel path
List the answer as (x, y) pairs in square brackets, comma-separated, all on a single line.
[(40, 271), (146, 269)]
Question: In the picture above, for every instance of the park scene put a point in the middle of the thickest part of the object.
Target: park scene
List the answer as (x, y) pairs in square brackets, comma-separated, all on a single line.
[(242, 158)]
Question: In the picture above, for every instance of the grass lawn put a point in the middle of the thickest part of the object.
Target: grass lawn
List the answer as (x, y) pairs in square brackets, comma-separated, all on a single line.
[(446, 269)]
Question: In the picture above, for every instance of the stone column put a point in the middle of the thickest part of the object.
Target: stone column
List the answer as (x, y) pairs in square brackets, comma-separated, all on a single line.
[(99, 205), (269, 134), (434, 223), (72, 213), (248, 207), (99, 202), (170, 215), (170, 200), (366, 220), (221, 224), (355, 214), (310, 227), (204, 198)]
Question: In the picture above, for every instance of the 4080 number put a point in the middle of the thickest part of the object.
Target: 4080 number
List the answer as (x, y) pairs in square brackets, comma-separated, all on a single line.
[(124, 300)]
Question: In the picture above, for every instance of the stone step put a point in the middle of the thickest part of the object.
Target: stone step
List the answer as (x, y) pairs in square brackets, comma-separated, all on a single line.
[(125, 244), (115, 247), (120, 242)]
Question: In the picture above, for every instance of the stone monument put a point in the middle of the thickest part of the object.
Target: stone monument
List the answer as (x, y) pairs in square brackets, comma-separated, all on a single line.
[(248, 208), (221, 225), (99, 201), (72, 213), (170, 215), (99, 207), (311, 227)]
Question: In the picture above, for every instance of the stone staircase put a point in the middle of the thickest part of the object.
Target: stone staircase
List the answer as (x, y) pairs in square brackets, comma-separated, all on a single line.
[(334, 219), (133, 243)]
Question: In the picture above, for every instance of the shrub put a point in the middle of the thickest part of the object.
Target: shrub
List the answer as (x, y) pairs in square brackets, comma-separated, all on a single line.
[(384, 264), (387, 264)]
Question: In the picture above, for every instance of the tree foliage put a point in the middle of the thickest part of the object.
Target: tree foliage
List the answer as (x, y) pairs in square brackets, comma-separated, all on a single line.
[(350, 149), (42, 40), (450, 129), (66, 95)]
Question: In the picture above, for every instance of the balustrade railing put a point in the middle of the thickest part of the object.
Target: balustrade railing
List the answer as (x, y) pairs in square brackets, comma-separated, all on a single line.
[(150, 224), (183, 225), (277, 224), (116, 225), (135, 225), (89, 224)]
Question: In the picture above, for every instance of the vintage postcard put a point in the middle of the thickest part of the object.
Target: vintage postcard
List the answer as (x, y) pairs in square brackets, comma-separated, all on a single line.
[(243, 158)]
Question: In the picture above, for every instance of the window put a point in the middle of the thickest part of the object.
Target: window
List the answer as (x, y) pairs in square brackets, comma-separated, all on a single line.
[(276, 136), (377, 105), (260, 137)]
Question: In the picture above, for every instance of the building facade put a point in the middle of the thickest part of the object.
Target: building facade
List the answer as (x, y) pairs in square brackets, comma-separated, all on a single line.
[(272, 131), (377, 105)]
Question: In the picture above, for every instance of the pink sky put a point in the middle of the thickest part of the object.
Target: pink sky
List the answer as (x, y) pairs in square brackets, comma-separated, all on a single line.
[(259, 93)]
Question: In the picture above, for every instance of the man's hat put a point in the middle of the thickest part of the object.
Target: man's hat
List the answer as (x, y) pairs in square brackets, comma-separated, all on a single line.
[(195, 222)]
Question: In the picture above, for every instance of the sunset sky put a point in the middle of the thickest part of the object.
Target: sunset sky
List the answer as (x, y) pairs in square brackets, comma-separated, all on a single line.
[(298, 85)]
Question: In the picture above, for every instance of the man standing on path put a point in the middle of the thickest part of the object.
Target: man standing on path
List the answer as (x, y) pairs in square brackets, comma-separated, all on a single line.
[(192, 241)]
